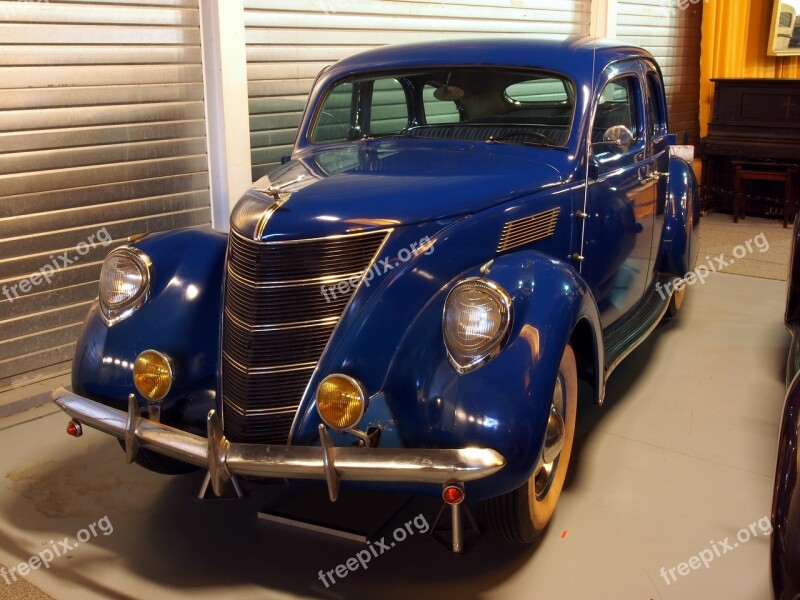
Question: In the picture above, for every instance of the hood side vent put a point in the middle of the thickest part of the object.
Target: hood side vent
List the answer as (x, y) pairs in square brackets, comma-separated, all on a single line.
[(528, 230)]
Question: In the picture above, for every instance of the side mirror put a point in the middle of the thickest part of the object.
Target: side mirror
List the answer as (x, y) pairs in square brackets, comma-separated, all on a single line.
[(617, 139)]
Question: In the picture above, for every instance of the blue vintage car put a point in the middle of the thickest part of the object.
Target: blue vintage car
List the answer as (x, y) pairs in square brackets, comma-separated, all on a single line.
[(463, 231), (785, 540)]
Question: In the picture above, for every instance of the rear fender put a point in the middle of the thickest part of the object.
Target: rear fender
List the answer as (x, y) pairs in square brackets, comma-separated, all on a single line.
[(679, 247)]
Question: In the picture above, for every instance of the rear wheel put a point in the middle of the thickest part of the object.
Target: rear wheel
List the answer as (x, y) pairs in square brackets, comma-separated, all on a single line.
[(521, 516)]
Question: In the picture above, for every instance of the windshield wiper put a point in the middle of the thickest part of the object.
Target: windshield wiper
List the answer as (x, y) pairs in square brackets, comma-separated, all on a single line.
[(505, 139), (381, 136)]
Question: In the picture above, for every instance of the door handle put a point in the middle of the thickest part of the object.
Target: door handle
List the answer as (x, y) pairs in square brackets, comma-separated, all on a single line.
[(653, 177)]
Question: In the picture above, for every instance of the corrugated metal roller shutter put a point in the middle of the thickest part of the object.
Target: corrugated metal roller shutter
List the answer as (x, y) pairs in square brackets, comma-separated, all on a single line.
[(102, 130), (673, 36), (289, 43)]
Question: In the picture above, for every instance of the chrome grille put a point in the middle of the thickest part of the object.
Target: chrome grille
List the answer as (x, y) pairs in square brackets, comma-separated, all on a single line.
[(277, 323)]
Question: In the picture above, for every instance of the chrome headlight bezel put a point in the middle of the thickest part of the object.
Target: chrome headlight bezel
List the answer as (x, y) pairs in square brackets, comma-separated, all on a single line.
[(464, 361), (113, 313)]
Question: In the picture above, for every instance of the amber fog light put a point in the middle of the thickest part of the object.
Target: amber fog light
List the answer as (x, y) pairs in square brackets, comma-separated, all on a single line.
[(341, 401), (153, 375)]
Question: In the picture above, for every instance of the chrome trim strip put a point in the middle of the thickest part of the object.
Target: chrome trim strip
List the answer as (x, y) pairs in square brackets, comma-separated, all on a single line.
[(338, 236), (639, 340), (225, 459), (268, 370), (278, 410), (280, 200), (285, 326), (272, 285)]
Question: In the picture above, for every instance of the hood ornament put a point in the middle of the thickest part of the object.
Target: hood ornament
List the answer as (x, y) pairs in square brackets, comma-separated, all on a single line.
[(276, 188), (280, 197)]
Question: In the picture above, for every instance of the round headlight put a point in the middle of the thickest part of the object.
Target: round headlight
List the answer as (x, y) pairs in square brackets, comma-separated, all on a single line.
[(124, 283), (476, 324), (341, 402), (153, 375)]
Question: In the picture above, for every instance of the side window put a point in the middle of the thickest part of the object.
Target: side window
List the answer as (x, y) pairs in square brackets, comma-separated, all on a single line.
[(655, 106), (438, 112), (389, 111), (538, 91), (333, 122), (616, 106)]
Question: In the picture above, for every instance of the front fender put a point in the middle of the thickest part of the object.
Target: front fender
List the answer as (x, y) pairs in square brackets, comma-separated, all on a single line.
[(679, 247), (505, 404), (181, 319)]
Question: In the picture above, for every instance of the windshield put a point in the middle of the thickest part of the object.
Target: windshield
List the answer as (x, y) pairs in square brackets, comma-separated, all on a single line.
[(491, 105)]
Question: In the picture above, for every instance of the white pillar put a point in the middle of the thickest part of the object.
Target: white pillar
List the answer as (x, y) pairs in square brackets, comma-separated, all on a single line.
[(604, 18), (227, 108)]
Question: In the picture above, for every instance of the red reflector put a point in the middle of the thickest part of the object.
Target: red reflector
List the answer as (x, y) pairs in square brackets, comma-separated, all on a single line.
[(453, 494), (74, 429)]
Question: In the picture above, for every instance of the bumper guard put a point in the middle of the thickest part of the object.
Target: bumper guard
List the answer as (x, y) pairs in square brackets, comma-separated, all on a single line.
[(224, 459)]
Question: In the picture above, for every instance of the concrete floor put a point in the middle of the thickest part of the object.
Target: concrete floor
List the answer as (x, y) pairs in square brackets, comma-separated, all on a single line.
[(680, 458)]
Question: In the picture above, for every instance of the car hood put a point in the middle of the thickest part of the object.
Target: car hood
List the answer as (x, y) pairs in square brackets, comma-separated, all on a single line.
[(381, 184)]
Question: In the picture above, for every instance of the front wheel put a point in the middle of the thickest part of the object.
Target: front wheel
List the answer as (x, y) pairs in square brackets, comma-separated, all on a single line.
[(521, 516)]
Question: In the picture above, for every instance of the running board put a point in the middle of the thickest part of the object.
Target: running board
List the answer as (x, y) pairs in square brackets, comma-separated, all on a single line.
[(620, 341)]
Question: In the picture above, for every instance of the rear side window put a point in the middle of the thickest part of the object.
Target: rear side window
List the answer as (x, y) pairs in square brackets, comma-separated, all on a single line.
[(617, 106)]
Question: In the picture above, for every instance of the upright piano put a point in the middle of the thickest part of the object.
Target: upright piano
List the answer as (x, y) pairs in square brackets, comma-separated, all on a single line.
[(753, 120)]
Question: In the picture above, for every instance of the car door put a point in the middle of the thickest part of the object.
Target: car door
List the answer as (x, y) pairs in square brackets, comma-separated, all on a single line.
[(620, 196), (657, 150)]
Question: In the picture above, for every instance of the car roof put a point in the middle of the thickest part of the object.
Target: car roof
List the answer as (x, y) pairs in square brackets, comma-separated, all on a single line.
[(575, 56)]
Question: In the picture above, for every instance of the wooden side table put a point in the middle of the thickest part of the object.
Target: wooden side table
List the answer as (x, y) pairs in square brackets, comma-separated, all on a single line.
[(762, 171)]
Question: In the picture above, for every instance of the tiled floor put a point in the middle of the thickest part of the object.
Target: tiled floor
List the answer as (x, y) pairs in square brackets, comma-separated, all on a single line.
[(763, 243), (679, 461)]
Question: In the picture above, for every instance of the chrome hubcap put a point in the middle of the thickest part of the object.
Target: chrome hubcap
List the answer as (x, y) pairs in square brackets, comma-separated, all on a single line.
[(555, 436), (553, 443)]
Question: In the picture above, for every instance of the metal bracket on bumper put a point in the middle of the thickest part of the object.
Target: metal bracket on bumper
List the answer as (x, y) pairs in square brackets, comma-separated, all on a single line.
[(224, 459)]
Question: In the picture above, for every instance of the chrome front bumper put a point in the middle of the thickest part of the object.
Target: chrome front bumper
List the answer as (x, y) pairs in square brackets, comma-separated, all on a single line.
[(224, 459)]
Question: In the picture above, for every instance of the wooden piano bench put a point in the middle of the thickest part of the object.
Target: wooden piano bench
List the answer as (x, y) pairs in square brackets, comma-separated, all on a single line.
[(764, 171)]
